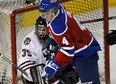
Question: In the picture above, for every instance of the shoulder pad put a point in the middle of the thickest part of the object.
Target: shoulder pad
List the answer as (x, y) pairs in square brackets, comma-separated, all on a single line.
[(58, 25)]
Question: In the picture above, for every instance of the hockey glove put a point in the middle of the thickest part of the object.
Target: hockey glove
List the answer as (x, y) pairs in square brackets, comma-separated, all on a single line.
[(50, 69), (111, 37)]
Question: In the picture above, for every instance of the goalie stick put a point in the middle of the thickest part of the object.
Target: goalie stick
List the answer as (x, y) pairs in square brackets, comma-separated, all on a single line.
[(10, 62), (100, 19)]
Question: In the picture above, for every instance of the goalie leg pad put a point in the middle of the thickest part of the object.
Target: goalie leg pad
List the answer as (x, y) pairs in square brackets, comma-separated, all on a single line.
[(35, 74), (25, 81)]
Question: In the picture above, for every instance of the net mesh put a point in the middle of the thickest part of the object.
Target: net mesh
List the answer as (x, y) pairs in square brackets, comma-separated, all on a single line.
[(6, 7), (83, 9)]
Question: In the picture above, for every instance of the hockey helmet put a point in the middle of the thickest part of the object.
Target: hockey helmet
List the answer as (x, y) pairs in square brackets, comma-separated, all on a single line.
[(46, 5), (41, 24)]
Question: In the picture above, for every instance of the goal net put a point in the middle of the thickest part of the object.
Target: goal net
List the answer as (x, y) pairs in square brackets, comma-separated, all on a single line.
[(16, 21)]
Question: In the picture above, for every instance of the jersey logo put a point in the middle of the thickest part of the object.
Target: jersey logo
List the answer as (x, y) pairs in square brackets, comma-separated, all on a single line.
[(27, 41)]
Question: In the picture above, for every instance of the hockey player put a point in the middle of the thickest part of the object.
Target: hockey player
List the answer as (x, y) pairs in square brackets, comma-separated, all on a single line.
[(78, 46), (31, 52), (67, 75), (37, 47)]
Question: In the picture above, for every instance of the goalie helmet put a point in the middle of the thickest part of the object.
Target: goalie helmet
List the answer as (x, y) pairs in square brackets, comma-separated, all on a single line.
[(46, 5), (40, 29)]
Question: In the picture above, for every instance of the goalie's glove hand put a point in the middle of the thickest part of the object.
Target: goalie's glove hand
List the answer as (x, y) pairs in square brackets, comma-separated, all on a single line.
[(50, 69), (111, 37)]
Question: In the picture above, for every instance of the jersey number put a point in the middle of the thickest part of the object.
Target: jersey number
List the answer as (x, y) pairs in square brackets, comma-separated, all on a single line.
[(64, 41), (26, 53)]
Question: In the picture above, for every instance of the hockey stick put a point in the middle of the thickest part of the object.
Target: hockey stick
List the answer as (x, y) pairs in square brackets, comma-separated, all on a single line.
[(100, 19), (10, 62)]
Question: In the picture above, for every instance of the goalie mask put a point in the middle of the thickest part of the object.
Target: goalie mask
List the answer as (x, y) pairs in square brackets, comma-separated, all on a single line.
[(40, 29)]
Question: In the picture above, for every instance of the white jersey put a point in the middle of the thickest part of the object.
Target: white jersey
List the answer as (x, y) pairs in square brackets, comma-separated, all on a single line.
[(31, 53)]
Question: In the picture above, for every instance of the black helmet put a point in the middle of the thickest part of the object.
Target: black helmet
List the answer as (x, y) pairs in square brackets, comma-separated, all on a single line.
[(41, 24)]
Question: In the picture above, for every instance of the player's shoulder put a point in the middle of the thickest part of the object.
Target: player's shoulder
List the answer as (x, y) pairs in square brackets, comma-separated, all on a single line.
[(29, 38), (31, 34), (50, 40), (58, 25)]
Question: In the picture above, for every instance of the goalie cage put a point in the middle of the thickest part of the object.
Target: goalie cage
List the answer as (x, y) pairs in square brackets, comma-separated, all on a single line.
[(17, 21)]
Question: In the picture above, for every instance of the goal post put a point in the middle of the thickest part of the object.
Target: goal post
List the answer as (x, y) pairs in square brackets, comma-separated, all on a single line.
[(18, 22), (14, 35), (106, 47)]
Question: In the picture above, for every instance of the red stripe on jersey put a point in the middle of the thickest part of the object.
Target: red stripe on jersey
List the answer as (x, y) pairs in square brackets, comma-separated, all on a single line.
[(62, 59)]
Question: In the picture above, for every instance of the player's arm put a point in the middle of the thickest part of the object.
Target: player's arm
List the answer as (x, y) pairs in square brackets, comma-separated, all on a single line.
[(62, 58)]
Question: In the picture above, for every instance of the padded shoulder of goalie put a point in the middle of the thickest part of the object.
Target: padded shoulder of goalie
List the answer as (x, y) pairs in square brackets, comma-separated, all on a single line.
[(111, 37), (48, 42)]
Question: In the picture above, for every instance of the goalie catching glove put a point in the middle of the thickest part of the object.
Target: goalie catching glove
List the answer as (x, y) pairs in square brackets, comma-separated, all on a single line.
[(111, 37), (49, 70)]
